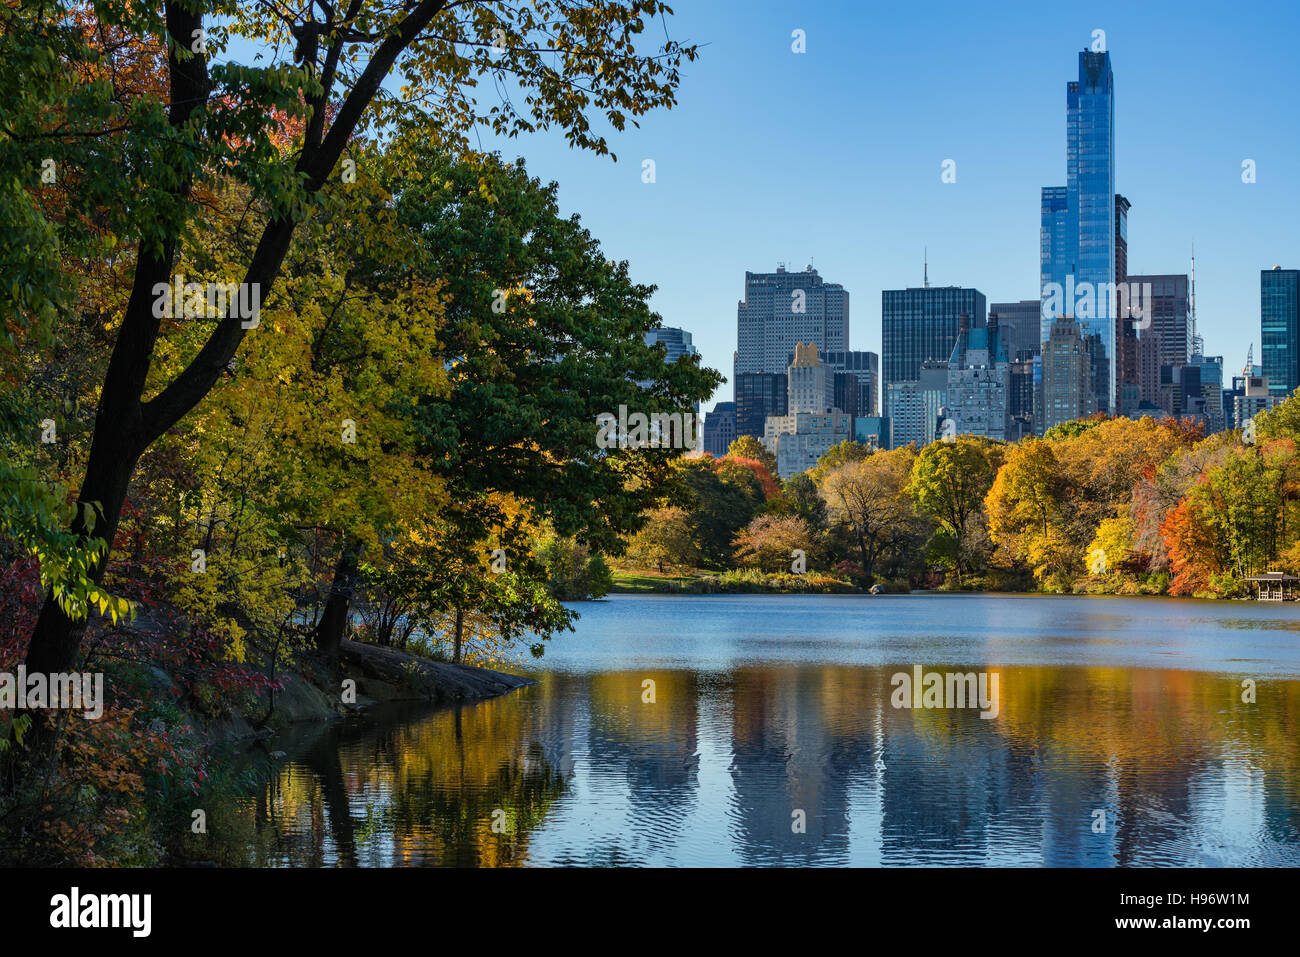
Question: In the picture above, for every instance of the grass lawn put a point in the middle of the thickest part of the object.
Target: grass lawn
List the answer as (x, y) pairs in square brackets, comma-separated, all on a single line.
[(645, 580)]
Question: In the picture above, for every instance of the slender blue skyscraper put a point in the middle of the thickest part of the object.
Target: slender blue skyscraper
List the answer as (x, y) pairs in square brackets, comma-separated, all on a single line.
[(1078, 222)]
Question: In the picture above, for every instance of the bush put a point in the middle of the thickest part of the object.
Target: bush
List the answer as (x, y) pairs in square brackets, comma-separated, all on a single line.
[(573, 573), (752, 580)]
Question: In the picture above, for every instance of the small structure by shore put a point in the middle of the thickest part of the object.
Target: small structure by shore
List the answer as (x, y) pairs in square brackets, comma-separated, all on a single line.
[(1276, 586)]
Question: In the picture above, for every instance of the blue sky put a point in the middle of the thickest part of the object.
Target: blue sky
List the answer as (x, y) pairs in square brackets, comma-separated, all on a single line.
[(834, 156)]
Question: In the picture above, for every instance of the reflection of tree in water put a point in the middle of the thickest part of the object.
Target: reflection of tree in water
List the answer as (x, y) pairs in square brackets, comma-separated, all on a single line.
[(419, 792), (1132, 742), (1184, 769), (525, 790)]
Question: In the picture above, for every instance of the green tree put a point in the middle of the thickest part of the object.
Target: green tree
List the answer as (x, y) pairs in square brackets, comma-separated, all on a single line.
[(1245, 501), (948, 483), (1112, 546), (719, 502), (1072, 429), (769, 543), (800, 496), (665, 541), (572, 571), (748, 447), (867, 498), (210, 127), (1025, 498), (837, 455), (450, 577), (1280, 422), (541, 333)]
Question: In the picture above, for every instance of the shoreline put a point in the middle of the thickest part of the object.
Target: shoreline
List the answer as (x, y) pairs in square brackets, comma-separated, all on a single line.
[(382, 676), (914, 592)]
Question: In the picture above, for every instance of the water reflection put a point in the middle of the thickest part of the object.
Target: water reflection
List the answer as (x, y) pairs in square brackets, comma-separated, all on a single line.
[(578, 769)]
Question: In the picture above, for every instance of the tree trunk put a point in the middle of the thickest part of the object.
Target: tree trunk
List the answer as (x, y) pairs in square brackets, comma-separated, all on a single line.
[(460, 628), (56, 640), (334, 621), (868, 566), (124, 425)]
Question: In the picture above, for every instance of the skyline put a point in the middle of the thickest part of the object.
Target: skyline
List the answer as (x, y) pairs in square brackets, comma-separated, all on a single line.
[(869, 206), (355, 513)]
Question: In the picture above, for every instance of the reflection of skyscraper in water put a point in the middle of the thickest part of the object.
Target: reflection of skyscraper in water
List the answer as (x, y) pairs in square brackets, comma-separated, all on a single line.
[(790, 753), (949, 782), (655, 744), (1069, 796)]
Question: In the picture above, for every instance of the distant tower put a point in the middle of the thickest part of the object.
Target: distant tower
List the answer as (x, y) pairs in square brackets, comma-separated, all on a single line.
[(925, 274), (1250, 360), (1198, 344), (1077, 238)]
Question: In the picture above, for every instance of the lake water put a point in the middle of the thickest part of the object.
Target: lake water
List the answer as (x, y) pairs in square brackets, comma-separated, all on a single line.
[(1121, 738)]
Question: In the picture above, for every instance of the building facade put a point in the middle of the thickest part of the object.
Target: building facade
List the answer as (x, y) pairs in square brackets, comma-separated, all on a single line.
[(979, 383), (809, 386), (758, 395), (1020, 400), (1019, 324), (1170, 316), (1068, 390), (1211, 395), (1248, 397), (873, 431), (676, 342), (915, 406), (1279, 328), (812, 425), (783, 308), (865, 368), (800, 439), (720, 429), (920, 325)]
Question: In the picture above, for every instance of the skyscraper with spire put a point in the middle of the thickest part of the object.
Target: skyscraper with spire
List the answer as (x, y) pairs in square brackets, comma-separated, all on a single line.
[(921, 323)]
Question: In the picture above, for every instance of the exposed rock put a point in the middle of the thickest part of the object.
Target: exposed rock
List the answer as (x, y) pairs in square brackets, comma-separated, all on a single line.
[(391, 675), (300, 700)]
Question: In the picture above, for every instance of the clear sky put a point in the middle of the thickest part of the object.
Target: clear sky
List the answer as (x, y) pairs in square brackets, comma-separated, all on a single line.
[(834, 156)]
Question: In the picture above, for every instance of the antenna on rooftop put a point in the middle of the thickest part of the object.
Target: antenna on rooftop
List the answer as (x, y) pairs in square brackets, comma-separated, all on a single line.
[(1198, 344), (925, 278)]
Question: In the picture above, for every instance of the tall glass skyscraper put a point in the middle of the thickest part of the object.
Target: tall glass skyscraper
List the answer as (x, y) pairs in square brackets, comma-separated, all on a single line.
[(1077, 240), (1058, 245), (1279, 322)]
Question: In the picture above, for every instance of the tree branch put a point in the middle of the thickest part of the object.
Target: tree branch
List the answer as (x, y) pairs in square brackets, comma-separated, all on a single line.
[(194, 382)]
